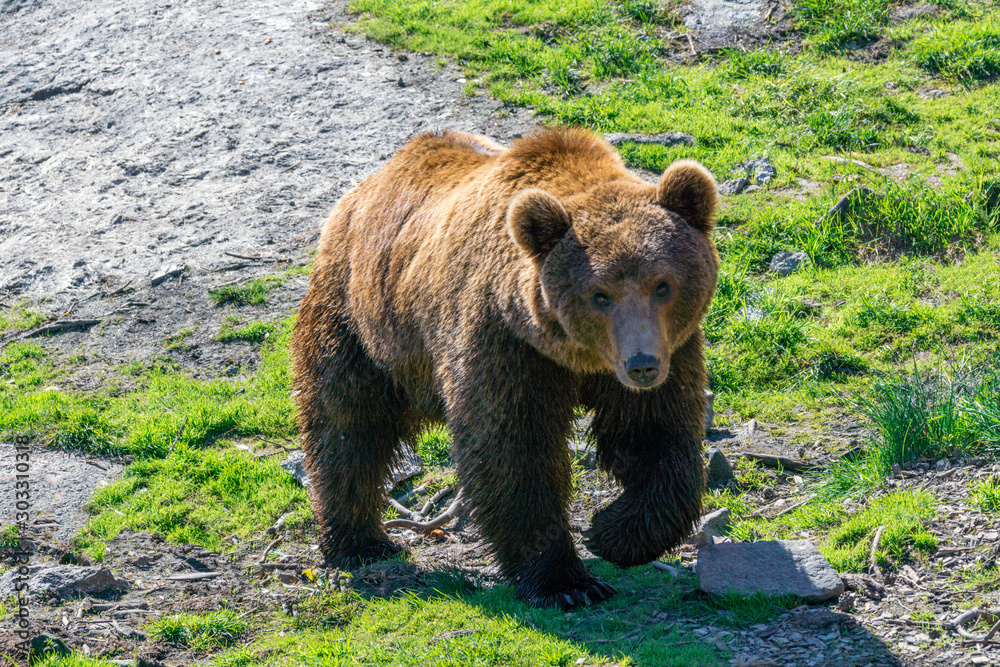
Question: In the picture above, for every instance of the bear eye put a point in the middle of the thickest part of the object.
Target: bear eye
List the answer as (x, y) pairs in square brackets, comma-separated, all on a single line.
[(601, 300), (662, 290)]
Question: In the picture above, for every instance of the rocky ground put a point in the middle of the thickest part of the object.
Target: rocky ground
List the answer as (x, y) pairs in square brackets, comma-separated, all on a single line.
[(150, 152), (103, 609)]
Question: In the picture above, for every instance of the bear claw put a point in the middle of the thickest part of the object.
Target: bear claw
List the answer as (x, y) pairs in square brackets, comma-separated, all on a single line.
[(582, 594)]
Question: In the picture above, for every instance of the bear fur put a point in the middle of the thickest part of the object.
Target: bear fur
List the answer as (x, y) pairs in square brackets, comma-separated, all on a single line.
[(495, 290)]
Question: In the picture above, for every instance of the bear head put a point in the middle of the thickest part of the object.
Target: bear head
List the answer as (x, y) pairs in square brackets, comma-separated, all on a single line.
[(627, 269)]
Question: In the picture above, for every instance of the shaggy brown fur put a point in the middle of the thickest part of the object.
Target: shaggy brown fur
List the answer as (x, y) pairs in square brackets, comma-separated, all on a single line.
[(495, 290)]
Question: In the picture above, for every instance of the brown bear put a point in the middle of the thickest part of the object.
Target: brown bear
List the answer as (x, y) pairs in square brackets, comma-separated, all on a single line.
[(495, 290)]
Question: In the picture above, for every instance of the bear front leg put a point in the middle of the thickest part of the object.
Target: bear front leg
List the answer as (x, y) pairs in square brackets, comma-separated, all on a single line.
[(650, 441), (509, 414), (352, 418)]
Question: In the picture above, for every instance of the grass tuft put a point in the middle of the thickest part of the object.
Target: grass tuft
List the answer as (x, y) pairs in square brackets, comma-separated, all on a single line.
[(966, 51), (195, 497), (835, 24), (904, 537), (986, 494), (255, 332), (923, 416), (252, 293), (434, 446), (199, 632)]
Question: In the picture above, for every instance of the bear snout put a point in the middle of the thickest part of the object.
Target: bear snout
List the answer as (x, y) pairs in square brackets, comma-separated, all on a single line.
[(643, 369)]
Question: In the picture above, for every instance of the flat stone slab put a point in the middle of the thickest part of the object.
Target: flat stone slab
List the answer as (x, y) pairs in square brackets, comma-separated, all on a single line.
[(778, 567)]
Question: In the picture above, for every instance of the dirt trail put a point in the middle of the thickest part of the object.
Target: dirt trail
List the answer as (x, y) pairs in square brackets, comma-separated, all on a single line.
[(141, 134)]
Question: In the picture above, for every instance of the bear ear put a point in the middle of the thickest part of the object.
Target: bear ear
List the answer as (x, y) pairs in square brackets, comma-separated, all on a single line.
[(687, 189), (536, 221)]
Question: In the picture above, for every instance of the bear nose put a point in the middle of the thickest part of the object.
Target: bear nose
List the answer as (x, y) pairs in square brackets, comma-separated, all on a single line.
[(643, 368)]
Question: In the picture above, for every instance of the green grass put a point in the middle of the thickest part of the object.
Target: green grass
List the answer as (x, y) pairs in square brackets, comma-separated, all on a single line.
[(964, 51), (176, 342), (986, 494), (145, 421), (836, 23), (251, 293), (434, 446), (254, 332), (923, 416), (197, 497), (19, 318), (200, 632), (904, 537), (845, 540), (489, 627)]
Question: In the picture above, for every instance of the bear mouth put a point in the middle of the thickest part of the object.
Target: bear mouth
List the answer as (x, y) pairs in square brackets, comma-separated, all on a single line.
[(641, 384)]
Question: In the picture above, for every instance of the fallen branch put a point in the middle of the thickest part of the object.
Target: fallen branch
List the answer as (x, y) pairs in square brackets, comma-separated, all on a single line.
[(61, 325), (427, 526), (974, 615), (252, 258), (403, 510), (781, 462), (267, 549), (672, 571), (795, 506), (851, 161), (120, 289), (434, 500), (411, 493), (872, 567), (77, 302), (233, 267), (177, 437), (280, 566)]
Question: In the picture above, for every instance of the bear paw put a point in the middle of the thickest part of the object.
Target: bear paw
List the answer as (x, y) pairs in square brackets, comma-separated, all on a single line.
[(623, 539), (355, 555), (582, 592)]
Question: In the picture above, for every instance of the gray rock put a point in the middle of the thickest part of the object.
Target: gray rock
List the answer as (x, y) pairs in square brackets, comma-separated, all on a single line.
[(720, 472), (734, 186), (65, 581), (759, 170), (749, 313), (295, 464), (780, 567), (716, 19), (409, 465), (166, 273), (709, 409), (663, 139), (863, 584), (785, 262), (711, 525)]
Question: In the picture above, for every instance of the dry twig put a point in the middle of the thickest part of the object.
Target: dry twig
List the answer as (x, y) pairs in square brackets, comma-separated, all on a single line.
[(267, 549), (872, 567), (177, 437)]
